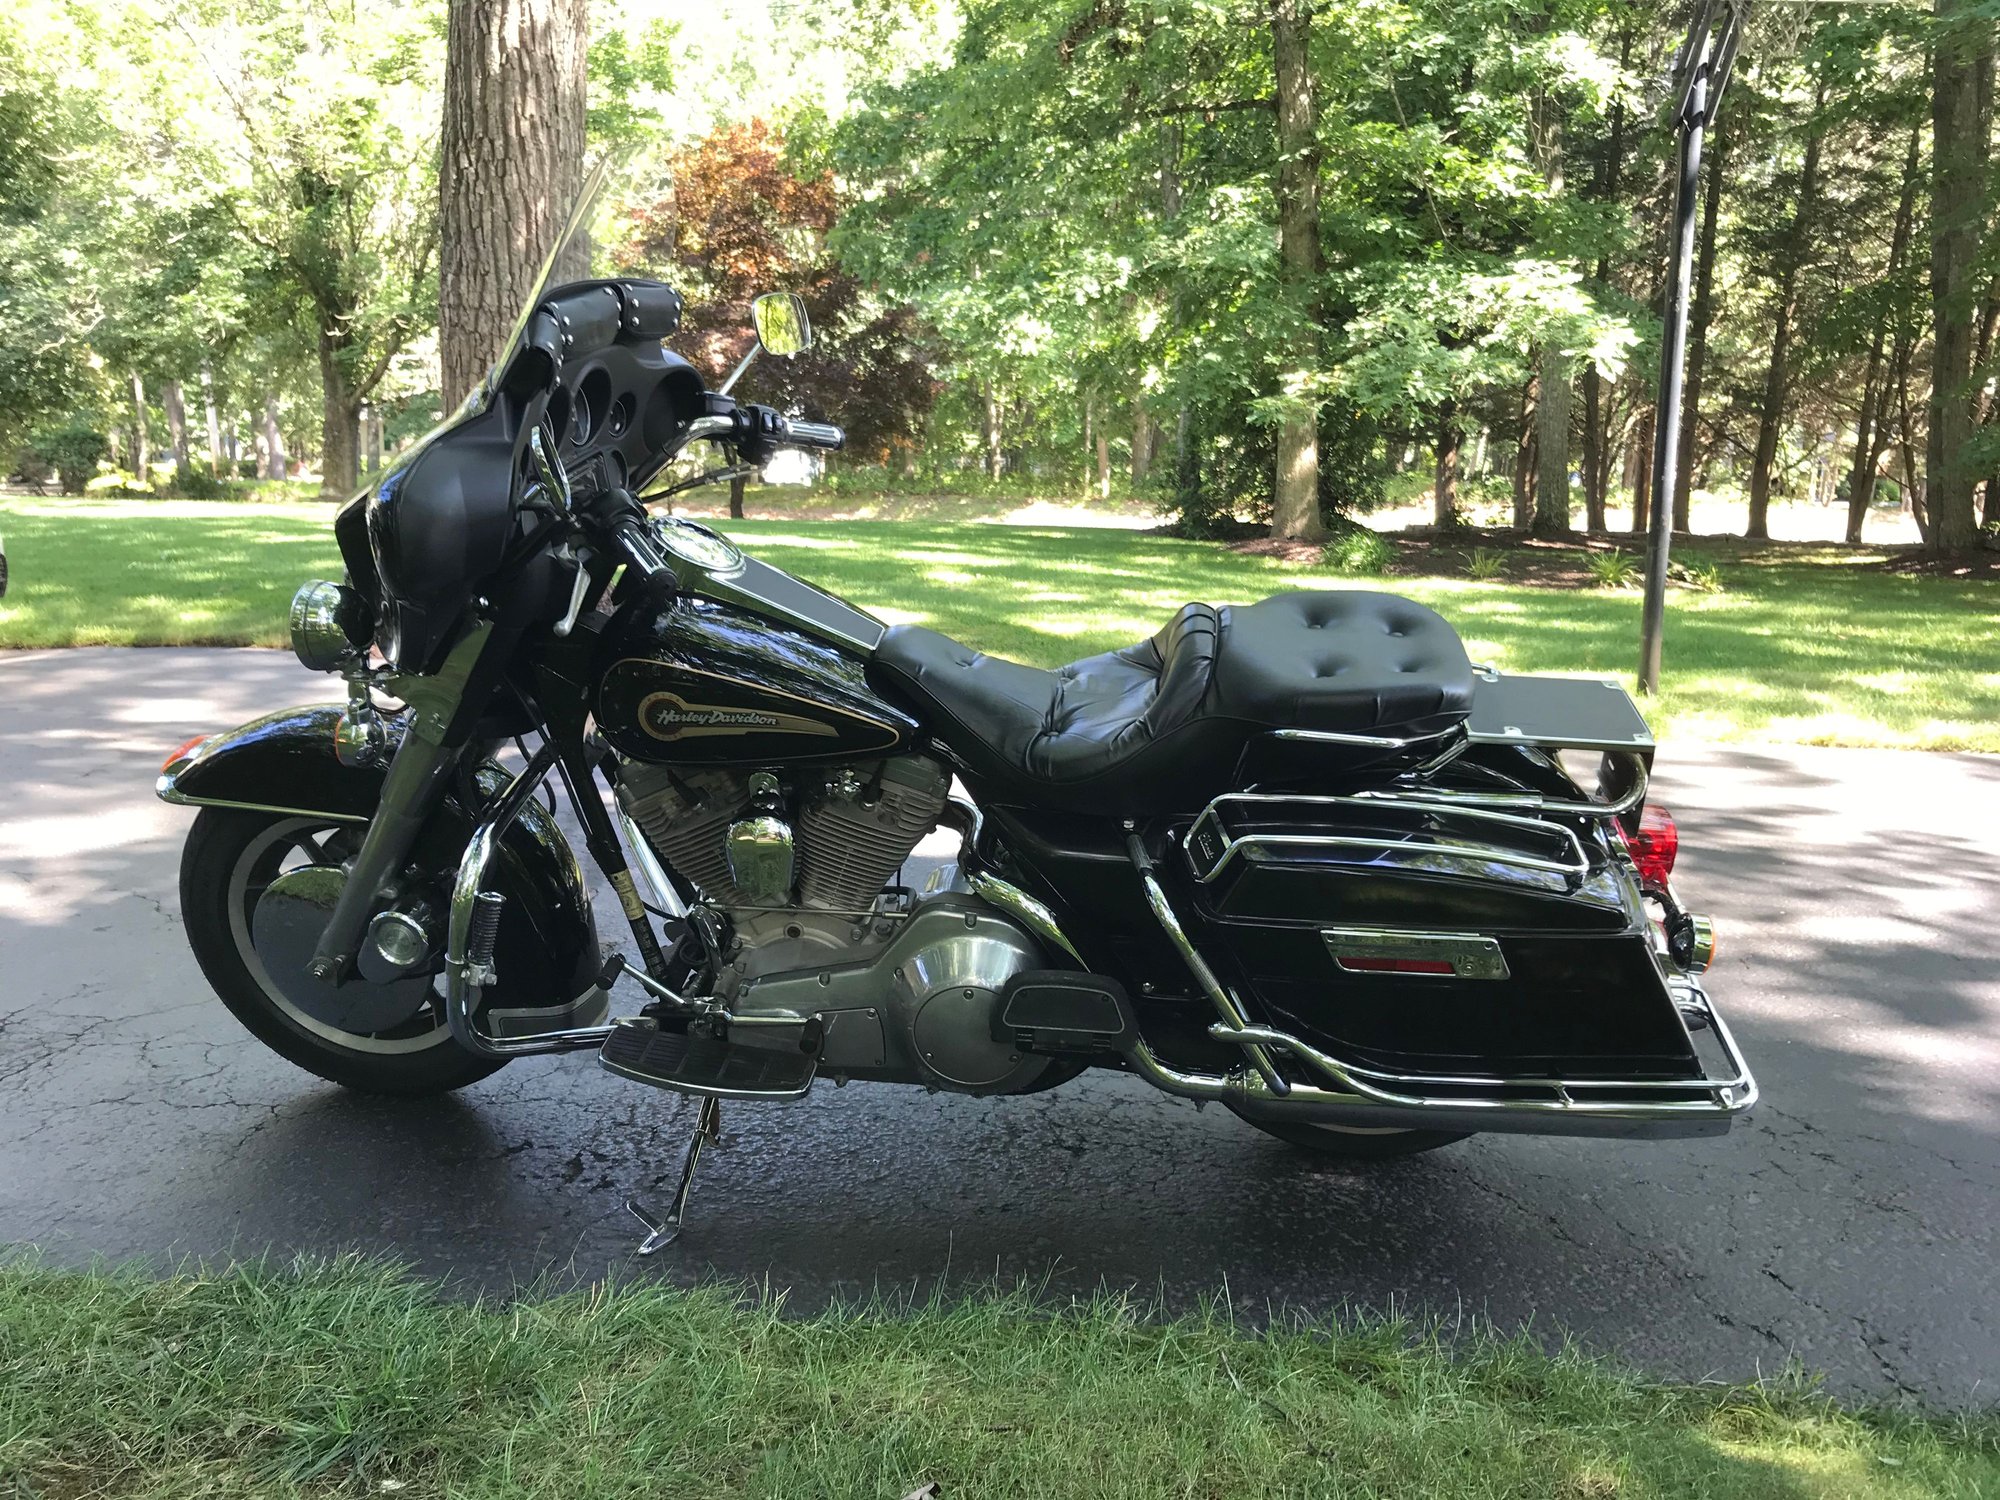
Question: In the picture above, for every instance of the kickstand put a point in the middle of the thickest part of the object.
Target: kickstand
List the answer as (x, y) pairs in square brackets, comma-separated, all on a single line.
[(661, 1233)]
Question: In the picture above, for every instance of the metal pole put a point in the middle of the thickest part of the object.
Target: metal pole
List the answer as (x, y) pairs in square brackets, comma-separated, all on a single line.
[(1673, 362)]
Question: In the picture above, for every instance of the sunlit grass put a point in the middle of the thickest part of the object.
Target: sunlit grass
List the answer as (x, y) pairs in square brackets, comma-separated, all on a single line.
[(325, 1379), (1814, 646)]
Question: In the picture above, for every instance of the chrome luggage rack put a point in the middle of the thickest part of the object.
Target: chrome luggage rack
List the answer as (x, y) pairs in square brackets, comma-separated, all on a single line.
[(1543, 713), (1210, 844)]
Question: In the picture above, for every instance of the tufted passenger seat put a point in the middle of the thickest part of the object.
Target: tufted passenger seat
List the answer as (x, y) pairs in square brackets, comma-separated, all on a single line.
[(1160, 726)]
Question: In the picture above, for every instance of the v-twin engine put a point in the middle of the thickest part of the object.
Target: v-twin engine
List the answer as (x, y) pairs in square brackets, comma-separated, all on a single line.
[(821, 842), (901, 987)]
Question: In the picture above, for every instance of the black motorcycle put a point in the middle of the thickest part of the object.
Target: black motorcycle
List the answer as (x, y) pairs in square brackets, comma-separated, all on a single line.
[(1301, 856)]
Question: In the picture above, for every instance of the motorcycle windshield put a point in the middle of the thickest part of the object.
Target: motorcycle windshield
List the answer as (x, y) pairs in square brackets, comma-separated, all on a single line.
[(568, 259)]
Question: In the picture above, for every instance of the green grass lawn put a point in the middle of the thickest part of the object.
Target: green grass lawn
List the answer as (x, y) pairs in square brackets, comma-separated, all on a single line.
[(347, 1379), (1815, 647)]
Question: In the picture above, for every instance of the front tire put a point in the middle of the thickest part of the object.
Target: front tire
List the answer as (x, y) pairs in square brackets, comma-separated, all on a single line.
[(229, 859), (1354, 1142)]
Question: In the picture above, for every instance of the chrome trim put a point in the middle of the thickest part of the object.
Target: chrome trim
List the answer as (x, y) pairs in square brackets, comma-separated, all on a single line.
[(1018, 904), (1701, 947), (1471, 955), (1535, 801), (318, 640), (1359, 1091), (1362, 741), (657, 880), (1227, 1006), (461, 994), (166, 791), (1231, 844)]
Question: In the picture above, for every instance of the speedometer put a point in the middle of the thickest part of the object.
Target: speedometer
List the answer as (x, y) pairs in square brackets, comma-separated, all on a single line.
[(698, 545)]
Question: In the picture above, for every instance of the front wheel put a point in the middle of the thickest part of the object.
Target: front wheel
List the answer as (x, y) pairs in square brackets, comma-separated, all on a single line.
[(231, 858), (1354, 1142)]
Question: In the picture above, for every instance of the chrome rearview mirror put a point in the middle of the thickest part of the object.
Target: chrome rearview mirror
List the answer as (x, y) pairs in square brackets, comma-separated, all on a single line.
[(782, 325)]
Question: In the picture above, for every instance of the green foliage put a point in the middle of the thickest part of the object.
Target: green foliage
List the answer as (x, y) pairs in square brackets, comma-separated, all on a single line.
[(631, 72), (1360, 552), (1702, 577), (69, 449), (197, 482), (1612, 570), (1484, 563)]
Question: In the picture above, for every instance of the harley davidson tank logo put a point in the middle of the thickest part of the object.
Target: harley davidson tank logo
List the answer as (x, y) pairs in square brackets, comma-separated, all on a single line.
[(669, 716)]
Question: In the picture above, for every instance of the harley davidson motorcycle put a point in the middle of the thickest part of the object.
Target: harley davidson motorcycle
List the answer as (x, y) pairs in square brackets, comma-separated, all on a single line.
[(1301, 857)]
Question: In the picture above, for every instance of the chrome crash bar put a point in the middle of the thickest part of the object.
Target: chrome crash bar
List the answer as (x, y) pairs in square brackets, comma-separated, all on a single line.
[(1352, 1094), (468, 964)]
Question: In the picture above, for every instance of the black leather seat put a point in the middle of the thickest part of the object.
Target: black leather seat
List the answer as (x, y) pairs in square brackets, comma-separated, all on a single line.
[(1160, 726)]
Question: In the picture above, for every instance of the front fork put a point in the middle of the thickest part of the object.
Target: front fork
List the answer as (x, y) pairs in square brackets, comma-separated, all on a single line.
[(444, 708)]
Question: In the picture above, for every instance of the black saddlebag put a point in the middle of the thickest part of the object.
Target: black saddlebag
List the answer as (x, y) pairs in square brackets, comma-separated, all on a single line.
[(1436, 941)]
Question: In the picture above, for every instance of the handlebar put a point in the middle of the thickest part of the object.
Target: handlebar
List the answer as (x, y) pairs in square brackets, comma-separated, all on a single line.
[(822, 435), (634, 546)]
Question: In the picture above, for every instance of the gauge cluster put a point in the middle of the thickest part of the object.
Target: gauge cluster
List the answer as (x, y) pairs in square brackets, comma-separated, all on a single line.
[(615, 409)]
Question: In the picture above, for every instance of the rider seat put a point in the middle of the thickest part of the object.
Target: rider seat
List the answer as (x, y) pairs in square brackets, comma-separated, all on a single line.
[(1160, 726)]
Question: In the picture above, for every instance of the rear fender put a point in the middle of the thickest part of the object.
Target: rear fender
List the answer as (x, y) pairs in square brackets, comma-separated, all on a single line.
[(285, 763)]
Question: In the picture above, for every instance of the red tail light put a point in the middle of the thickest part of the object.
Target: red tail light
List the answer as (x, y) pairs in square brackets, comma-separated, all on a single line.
[(1356, 964), (1654, 847), (181, 749)]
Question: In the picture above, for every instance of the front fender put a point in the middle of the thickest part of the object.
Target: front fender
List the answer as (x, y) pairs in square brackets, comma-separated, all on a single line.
[(284, 763)]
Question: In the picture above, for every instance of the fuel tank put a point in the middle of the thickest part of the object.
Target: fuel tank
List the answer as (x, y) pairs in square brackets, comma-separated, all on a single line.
[(708, 683)]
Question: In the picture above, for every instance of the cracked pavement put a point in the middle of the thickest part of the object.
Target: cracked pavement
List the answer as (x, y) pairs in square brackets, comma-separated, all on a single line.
[(1849, 1224)]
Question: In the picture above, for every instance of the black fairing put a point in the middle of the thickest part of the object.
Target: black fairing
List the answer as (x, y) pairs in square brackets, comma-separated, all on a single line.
[(702, 683), (441, 522), (284, 761)]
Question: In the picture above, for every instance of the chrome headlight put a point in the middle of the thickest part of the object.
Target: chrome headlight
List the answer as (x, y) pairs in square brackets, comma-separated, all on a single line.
[(320, 611)]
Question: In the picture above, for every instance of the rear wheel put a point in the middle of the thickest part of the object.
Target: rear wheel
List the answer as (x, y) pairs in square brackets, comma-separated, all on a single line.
[(231, 858), (1355, 1142)]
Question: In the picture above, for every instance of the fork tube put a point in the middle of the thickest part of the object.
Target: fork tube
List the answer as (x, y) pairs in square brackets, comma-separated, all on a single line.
[(601, 838), (415, 780)]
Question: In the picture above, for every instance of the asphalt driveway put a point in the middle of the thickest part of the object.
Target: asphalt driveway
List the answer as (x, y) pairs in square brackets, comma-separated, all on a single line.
[(1850, 1224)]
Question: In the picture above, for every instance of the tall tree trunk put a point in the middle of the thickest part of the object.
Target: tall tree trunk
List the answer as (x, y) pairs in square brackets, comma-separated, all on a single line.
[(1295, 503), (1642, 481), (1552, 515), (992, 429), (512, 155), (1872, 427), (275, 465), (1103, 460), (142, 440), (1444, 496), (1593, 449), (736, 490), (1701, 312), (1142, 440), (1867, 446), (1596, 419), (177, 426), (1989, 405), (1778, 375), (1524, 460), (1961, 124), (214, 418), (340, 423)]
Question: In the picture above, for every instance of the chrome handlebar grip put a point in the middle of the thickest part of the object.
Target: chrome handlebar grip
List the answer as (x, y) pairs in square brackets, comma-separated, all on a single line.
[(822, 435)]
